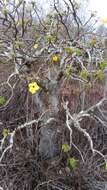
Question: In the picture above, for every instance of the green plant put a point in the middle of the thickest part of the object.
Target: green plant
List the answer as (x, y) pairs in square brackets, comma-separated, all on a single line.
[(72, 163), (68, 70), (5, 132), (50, 39), (18, 44), (99, 75), (66, 148), (102, 65), (93, 41), (78, 52), (69, 50), (84, 74), (105, 166), (2, 100)]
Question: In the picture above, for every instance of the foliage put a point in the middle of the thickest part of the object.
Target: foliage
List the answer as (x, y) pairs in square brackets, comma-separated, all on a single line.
[(105, 166), (66, 148), (78, 52), (68, 70), (102, 65), (99, 75), (93, 41), (69, 50), (73, 163), (51, 39), (84, 74), (2, 100), (6, 132)]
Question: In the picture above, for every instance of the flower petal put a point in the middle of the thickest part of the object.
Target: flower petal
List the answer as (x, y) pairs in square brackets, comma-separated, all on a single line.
[(33, 87)]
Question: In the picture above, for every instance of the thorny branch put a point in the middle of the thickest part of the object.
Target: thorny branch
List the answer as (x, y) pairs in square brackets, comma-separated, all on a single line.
[(74, 121)]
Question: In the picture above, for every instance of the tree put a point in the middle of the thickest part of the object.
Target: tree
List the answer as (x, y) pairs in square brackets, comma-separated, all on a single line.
[(53, 104)]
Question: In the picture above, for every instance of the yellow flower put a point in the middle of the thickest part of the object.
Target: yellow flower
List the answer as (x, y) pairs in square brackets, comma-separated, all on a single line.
[(33, 87), (55, 58), (35, 46)]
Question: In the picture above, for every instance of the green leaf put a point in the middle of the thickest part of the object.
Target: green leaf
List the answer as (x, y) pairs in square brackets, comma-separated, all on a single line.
[(78, 52), (5, 10), (102, 65), (72, 162), (50, 39), (105, 166), (93, 41), (66, 148), (18, 44), (68, 70), (2, 100), (84, 74), (99, 75), (69, 50), (6, 132)]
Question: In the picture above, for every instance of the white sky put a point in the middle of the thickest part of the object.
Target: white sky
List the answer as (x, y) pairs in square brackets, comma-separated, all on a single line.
[(100, 6), (94, 5)]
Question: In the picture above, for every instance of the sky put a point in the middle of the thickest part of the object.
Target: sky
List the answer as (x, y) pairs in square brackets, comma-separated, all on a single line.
[(100, 6), (95, 5)]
